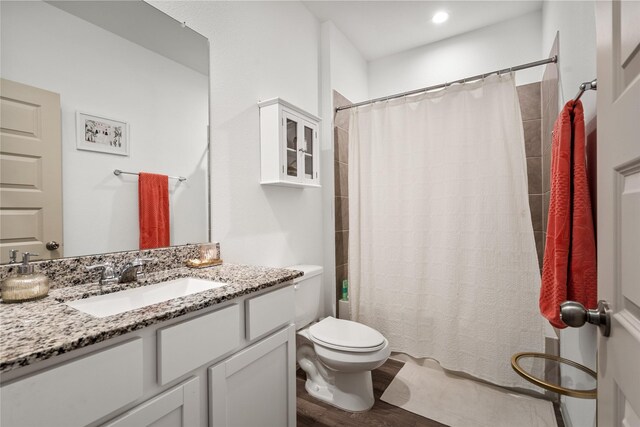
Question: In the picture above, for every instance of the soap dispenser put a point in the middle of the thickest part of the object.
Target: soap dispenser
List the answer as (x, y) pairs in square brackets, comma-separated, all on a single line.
[(26, 285)]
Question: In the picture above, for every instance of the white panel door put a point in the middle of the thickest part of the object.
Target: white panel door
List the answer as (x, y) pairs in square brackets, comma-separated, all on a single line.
[(619, 210), (257, 386), (30, 170)]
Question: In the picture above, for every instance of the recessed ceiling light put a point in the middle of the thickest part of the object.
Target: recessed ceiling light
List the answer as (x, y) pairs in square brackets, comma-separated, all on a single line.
[(440, 17)]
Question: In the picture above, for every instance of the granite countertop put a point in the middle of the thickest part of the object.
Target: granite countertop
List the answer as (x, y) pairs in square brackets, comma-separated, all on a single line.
[(38, 330)]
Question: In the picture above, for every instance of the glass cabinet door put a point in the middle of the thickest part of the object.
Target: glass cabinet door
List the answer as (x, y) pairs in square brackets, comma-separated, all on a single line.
[(292, 146), (300, 144), (309, 153)]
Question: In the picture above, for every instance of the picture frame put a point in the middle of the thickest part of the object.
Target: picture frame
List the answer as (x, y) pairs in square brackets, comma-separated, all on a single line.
[(102, 134)]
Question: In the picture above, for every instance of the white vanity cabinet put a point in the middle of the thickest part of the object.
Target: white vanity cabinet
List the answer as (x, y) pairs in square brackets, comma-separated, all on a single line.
[(289, 145), (206, 367)]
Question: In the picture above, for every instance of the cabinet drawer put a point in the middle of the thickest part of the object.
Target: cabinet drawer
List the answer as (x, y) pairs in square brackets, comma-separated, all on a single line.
[(192, 343), (78, 392), (268, 312)]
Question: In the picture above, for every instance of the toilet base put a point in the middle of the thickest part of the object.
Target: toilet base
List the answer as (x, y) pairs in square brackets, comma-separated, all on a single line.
[(351, 392), (339, 378)]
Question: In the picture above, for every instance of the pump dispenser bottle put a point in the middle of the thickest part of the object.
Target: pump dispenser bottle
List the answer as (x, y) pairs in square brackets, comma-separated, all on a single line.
[(26, 285)]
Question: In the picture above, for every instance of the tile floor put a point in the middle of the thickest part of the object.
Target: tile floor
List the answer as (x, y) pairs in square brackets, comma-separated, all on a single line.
[(312, 412)]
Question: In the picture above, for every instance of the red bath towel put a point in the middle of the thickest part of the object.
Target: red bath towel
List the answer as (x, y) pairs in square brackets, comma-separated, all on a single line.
[(569, 265), (153, 198)]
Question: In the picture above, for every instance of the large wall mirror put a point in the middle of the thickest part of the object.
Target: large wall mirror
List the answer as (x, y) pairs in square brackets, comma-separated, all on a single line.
[(143, 79)]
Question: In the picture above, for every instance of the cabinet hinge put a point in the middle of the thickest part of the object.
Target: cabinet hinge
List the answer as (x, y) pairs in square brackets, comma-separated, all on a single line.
[(316, 174), (282, 168)]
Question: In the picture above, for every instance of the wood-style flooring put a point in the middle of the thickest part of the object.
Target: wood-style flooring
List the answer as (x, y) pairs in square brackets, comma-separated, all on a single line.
[(312, 412)]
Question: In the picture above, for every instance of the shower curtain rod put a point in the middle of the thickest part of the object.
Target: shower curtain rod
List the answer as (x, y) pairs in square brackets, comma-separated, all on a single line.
[(443, 85)]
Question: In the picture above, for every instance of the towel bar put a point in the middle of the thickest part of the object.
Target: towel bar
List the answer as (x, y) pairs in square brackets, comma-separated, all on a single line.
[(119, 172)]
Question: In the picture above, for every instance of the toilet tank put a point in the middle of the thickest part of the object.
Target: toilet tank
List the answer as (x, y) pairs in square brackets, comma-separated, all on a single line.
[(308, 294)]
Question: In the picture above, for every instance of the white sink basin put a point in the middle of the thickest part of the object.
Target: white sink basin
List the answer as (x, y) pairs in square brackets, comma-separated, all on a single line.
[(131, 299)]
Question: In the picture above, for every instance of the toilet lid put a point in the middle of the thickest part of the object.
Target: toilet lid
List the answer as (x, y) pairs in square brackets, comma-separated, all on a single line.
[(347, 335)]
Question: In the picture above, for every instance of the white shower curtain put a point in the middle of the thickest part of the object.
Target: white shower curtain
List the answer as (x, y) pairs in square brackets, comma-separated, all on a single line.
[(442, 257)]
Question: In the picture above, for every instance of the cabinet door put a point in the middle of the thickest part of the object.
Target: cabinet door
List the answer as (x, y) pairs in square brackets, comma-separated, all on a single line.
[(177, 407), (256, 387), (309, 153), (291, 146)]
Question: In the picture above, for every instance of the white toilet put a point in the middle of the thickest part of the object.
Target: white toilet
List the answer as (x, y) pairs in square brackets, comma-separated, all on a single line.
[(337, 355)]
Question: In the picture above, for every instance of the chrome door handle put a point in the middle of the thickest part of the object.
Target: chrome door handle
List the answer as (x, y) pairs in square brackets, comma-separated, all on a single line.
[(52, 245), (575, 315)]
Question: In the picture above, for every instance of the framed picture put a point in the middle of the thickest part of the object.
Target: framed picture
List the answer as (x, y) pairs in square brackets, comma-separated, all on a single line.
[(96, 133)]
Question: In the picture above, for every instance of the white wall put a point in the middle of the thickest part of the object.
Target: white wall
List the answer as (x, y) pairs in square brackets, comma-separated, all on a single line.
[(502, 45), (349, 70), (577, 63), (342, 68), (259, 50), (575, 20), (100, 73)]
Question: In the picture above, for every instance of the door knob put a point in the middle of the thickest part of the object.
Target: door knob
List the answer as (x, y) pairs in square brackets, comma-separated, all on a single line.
[(52, 245), (575, 315)]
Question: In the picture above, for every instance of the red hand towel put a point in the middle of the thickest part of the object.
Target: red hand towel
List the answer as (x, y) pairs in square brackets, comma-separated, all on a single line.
[(153, 202), (569, 265)]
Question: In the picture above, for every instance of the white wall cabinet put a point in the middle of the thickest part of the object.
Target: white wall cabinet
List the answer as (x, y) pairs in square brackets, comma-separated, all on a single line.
[(289, 144), (257, 386), (177, 407)]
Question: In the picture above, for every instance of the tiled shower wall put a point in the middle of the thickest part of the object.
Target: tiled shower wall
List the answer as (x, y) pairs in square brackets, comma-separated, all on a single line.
[(530, 101), (550, 110), (340, 167), (532, 118)]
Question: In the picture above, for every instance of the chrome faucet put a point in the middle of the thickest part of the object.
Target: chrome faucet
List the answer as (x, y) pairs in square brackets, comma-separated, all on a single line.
[(108, 274), (132, 271)]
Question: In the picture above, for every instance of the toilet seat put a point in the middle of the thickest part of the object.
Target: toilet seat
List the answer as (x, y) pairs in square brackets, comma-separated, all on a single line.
[(345, 335)]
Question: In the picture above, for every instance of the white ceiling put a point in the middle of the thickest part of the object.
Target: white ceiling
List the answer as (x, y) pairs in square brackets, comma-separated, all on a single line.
[(381, 28)]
